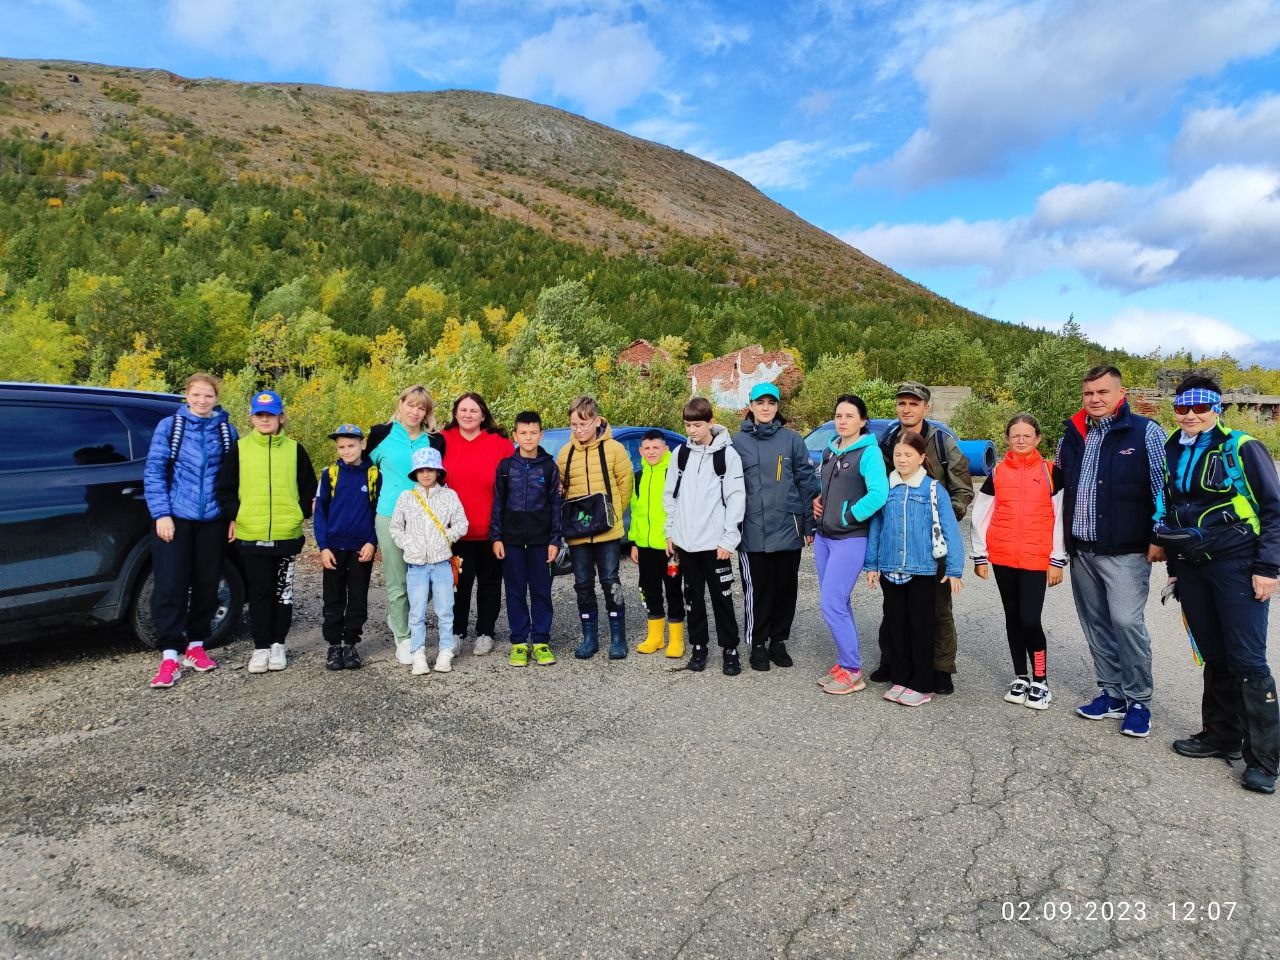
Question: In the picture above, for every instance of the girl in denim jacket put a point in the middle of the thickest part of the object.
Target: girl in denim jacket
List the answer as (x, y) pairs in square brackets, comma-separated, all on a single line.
[(900, 554)]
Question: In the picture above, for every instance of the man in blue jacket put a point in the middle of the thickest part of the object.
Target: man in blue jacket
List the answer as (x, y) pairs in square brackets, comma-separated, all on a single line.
[(1112, 463), (347, 537)]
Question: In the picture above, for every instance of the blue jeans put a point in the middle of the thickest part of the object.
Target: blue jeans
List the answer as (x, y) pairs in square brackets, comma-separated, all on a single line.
[(1111, 600), (427, 581), (839, 563), (588, 559), (528, 579)]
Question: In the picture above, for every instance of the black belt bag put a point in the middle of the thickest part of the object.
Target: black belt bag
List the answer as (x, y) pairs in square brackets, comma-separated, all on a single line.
[(591, 513), (1201, 544)]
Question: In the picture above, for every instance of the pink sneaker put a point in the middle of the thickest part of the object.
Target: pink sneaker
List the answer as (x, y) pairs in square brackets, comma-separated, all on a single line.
[(826, 677), (845, 681), (199, 660), (167, 674), (913, 698), (894, 692)]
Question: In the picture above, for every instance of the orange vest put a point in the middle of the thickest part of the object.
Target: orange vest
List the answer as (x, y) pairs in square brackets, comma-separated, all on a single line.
[(1021, 531)]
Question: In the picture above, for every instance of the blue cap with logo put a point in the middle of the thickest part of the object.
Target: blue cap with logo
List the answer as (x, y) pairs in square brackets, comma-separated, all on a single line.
[(266, 401), (765, 390), (347, 430)]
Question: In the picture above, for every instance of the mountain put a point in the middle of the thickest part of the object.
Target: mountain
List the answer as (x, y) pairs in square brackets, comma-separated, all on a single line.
[(488, 198), (576, 179)]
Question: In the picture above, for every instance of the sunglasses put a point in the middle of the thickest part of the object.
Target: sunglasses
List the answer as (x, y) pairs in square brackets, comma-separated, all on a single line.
[(1183, 409)]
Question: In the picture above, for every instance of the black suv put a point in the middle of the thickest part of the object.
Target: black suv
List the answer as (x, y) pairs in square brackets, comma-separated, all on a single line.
[(74, 526)]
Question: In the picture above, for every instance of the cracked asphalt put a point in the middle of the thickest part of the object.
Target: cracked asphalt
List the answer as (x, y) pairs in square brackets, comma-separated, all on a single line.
[(615, 809)]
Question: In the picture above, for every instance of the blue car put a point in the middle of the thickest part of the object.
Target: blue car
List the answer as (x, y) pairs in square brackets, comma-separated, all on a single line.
[(630, 438), (981, 453)]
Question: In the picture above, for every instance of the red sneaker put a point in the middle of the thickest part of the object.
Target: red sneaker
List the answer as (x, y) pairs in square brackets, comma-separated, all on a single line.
[(197, 658), (167, 674)]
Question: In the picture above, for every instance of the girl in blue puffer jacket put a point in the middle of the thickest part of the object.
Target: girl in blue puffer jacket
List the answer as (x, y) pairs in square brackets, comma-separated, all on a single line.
[(901, 555), (191, 525)]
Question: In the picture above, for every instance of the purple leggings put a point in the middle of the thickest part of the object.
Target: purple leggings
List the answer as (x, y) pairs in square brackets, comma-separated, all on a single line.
[(839, 564)]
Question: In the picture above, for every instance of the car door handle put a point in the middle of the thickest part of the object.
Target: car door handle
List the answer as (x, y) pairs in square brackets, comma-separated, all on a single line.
[(132, 491)]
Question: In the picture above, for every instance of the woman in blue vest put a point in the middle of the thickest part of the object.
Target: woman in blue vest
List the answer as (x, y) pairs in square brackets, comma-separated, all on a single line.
[(390, 448), (1220, 525), (191, 525)]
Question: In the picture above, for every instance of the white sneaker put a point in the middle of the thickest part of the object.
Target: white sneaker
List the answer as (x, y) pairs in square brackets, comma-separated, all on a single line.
[(258, 662), (1039, 696), (276, 661), (419, 661), (484, 644), (444, 662), (403, 656)]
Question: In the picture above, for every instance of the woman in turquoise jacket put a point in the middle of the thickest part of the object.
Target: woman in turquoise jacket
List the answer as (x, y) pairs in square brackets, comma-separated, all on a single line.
[(854, 486), (390, 448)]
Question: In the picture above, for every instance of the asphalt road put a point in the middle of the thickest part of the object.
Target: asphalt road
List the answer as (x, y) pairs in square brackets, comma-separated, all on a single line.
[(615, 809)]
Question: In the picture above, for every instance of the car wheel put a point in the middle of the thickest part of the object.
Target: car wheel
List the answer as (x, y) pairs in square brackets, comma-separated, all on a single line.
[(225, 618)]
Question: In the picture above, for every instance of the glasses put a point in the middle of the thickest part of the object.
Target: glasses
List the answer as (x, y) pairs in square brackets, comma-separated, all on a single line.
[(1182, 409)]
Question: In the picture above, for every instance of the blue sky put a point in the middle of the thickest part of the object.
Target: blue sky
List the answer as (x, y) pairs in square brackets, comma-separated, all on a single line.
[(1029, 160)]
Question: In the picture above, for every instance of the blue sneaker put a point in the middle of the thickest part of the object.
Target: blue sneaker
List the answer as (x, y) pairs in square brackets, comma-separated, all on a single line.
[(1137, 721), (1102, 707)]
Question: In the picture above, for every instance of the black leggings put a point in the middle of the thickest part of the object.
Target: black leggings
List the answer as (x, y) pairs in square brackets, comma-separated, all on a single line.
[(1022, 594)]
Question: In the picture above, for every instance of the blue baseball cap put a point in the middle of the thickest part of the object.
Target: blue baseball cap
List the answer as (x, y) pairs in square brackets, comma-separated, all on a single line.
[(347, 430), (765, 390), (266, 401)]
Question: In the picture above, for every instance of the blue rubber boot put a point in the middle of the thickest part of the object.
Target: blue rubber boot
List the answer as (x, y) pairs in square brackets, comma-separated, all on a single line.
[(590, 637), (617, 636)]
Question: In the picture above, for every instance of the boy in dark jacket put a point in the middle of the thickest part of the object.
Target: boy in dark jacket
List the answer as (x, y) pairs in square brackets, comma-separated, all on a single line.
[(525, 532), (346, 538)]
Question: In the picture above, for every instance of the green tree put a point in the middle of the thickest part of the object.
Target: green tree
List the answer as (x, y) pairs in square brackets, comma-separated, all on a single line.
[(36, 348), (1047, 382)]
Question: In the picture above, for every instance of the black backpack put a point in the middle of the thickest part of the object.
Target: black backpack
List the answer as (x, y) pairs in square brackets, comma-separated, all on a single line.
[(718, 463)]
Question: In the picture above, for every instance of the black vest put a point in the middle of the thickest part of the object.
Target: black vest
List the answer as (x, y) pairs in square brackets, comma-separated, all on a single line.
[(1124, 503)]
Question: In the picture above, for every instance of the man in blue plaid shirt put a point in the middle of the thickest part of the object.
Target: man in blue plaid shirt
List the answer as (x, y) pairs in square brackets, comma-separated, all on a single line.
[(1112, 463)]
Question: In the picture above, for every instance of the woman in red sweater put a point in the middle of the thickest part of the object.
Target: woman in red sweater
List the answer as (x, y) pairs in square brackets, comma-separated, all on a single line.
[(474, 446), (1017, 530)]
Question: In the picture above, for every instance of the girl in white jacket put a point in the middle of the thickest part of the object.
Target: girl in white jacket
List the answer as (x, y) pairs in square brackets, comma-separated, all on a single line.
[(428, 519)]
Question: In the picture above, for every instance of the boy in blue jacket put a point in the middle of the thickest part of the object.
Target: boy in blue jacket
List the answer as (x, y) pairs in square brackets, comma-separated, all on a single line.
[(525, 533), (345, 533)]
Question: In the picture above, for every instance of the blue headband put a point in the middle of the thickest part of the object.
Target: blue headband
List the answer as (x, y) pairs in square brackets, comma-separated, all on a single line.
[(1196, 395)]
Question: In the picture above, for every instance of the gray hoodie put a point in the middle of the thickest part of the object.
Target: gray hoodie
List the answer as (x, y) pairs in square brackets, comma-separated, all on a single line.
[(697, 520)]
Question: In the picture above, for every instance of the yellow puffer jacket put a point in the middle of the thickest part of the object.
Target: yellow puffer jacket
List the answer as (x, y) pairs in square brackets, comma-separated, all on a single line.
[(583, 476)]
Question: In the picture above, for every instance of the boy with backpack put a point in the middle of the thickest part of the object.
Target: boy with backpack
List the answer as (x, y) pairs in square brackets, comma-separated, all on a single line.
[(659, 573), (347, 540), (525, 535), (705, 498)]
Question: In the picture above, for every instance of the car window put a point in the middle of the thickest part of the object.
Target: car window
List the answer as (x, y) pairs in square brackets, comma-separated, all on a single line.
[(61, 436), (817, 440), (142, 426)]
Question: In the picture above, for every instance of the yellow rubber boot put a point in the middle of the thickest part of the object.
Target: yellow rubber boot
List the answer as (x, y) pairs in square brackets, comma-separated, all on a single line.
[(676, 647), (653, 642)]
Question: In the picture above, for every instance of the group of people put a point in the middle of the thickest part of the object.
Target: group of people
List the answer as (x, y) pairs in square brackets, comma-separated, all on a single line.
[(469, 509)]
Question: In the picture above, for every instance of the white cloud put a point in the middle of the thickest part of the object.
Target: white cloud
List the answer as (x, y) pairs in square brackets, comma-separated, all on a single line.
[(786, 165), (925, 246), (1224, 224), (354, 42), (1141, 330), (1247, 133), (716, 37), (1006, 80), (587, 60), (673, 133), (1083, 203)]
